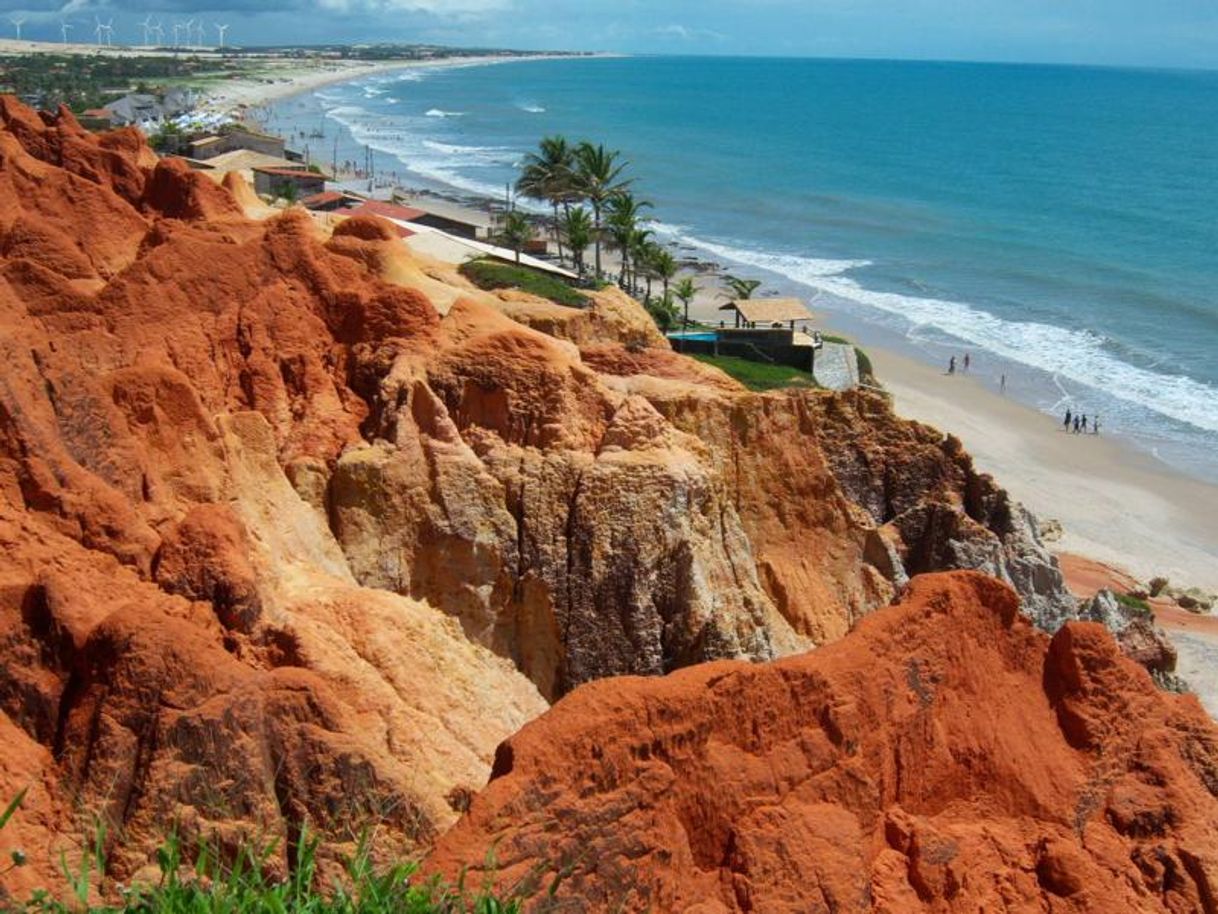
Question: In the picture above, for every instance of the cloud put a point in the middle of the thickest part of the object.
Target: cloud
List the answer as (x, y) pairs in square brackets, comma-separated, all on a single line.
[(438, 8), (685, 33), (435, 7)]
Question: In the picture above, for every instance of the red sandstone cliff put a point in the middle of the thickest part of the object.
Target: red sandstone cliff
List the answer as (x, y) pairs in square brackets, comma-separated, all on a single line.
[(298, 527), (946, 756)]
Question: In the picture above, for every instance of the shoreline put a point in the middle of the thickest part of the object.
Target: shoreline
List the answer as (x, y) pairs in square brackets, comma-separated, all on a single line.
[(253, 92), (1116, 503)]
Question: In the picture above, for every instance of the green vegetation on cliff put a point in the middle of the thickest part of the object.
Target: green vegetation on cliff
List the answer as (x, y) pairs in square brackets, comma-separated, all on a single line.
[(244, 887), (210, 884), (490, 275), (759, 376)]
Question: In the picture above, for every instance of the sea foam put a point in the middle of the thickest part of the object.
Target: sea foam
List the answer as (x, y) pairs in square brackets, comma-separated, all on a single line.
[(431, 159)]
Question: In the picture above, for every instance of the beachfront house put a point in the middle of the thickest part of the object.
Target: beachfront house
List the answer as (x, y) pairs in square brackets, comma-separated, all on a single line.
[(774, 330), (212, 145), (295, 184), (452, 219), (399, 216), (136, 108), (330, 201), (421, 235), (95, 119), (768, 313), (145, 108)]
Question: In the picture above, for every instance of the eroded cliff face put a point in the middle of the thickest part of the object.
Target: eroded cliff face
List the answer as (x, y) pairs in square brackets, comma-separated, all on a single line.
[(297, 526), (181, 636), (946, 756)]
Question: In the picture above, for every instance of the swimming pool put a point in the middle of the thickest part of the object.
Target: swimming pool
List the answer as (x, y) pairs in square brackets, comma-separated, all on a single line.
[(708, 335)]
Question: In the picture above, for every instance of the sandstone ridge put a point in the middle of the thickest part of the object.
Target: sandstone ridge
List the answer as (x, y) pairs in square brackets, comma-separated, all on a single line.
[(298, 527), (947, 756)]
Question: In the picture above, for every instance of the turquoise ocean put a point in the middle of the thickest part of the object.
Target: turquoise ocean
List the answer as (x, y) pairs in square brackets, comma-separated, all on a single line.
[(1060, 224)]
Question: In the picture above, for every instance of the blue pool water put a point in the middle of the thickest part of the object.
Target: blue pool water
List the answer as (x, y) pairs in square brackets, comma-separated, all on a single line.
[(1060, 223)]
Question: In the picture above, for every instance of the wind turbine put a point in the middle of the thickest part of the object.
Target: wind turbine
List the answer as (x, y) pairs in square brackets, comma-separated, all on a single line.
[(63, 30), (98, 31), (177, 29), (200, 28), (146, 25), (221, 29), (109, 27), (159, 31), (190, 26), (17, 22)]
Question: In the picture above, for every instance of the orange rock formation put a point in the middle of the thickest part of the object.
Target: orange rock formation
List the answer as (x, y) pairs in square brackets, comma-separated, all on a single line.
[(297, 527), (947, 756)]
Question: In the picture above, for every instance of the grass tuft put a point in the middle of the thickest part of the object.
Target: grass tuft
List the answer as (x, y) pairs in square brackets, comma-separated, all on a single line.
[(759, 376), (491, 275), (243, 886), (1135, 603)]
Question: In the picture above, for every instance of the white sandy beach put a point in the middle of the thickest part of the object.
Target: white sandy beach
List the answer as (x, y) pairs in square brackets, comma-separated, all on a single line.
[(277, 80), (1114, 504)]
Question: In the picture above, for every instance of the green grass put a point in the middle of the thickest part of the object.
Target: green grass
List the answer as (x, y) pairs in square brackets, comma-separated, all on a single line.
[(205, 881), (209, 886), (490, 275), (1135, 603), (759, 376)]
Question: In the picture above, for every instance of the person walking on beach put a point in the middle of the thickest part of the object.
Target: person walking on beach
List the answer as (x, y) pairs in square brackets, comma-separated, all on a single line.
[(967, 361), (951, 365), (1002, 386), (1076, 425), (1084, 425), (1095, 425), (1066, 424)]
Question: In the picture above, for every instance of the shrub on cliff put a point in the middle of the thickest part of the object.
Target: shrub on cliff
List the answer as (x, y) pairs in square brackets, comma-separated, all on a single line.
[(664, 312), (243, 886), (489, 275)]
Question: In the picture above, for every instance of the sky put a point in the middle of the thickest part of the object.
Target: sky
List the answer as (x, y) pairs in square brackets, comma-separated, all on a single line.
[(1172, 33)]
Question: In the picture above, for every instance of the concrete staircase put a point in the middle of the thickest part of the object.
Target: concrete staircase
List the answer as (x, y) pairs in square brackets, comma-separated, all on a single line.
[(837, 367)]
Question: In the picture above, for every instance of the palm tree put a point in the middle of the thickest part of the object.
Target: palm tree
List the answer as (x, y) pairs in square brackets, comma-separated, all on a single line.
[(663, 265), (517, 231), (598, 179), (577, 228), (547, 176), (622, 216), (685, 290), (643, 252), (741, 289)]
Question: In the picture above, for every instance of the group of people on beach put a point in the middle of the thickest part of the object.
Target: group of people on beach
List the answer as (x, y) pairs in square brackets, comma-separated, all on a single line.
[(1077, 422), (967, 363), (951, 364)]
